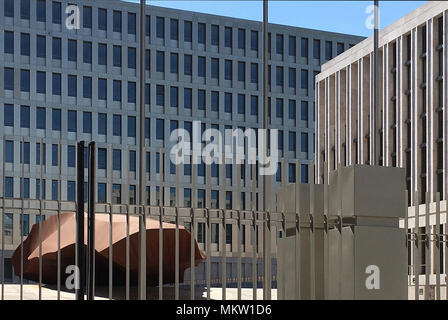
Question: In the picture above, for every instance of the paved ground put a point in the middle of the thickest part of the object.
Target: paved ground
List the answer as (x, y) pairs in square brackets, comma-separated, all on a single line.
[(31, 292)]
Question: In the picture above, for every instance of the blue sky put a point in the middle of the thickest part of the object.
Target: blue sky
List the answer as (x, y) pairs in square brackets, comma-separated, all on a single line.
[(337, 16)]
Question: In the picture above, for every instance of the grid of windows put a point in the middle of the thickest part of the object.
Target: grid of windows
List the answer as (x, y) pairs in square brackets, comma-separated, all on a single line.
[(174, 87)]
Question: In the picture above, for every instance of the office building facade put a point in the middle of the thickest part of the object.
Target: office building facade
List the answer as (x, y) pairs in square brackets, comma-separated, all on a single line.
[(411, 105), (59, 86)]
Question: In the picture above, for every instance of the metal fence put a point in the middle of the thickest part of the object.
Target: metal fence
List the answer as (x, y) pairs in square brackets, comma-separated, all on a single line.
[(427, 247), (427, 244)]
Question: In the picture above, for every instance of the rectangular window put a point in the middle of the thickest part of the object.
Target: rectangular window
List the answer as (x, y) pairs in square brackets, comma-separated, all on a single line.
[(188, 98), (304, 47), (41, 11), (241, 71), (201, 99), (160, 27), (241, 104), (102, 19), (116, 155), (160, 129), (71, 156), (9, 8), (116, 125), (72, 121), (57, 48), (24, 117), (41, 46), (328, 50), (57, 12), (87, 17), (148, 60), (316, 49), (25, 80), (292, 141), (25, 44), (228, 37), (188, 31), (292, 78), (131, 127), (87, 52), (87, 122), (54, 190), (279, 108), (102, 123), (228, 69), (117, 21), (132, 92), (174, 63), (215, 101), (254, 40), (279, 43), (174, 29), (174, 97), (25, 153), (188, 65), (215, 35), (8, 115), (304, 142), (56, 119), (71, 190), (56, 90), (148, 26), (72, 85), (102, 193), (254, 105), (241, 38), (117, 56), (228, 102), (160, 61), (292, 109), (41, 118), (304, 111), (279, 76), (201, 33), (87, 87), (72, 50), (132, 23), (132, 58), (340, 48), (117, 90), (215, 68), (54, 155), (9, 151), (102, 89), (9, 187), (8, 78), (102, 158), (102, 54), (292, 46), (132, 160), (25, 224), (304, 79), (201, 66), (160, 95), (41, 82), (25, 9)]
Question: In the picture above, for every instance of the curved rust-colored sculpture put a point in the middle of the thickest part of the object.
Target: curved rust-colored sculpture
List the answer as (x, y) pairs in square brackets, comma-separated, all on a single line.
[(102, 234)]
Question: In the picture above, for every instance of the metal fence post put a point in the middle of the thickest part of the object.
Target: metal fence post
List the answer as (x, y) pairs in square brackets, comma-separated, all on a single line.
[(91, 223), (80, 220)]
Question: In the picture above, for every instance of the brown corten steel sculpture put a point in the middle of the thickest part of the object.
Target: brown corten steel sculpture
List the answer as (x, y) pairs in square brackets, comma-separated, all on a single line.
[(102, 227)]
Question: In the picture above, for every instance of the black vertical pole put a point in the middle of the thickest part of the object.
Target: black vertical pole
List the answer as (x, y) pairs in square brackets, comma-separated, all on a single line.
[(80, 219), (91, 223), (376, 118)]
